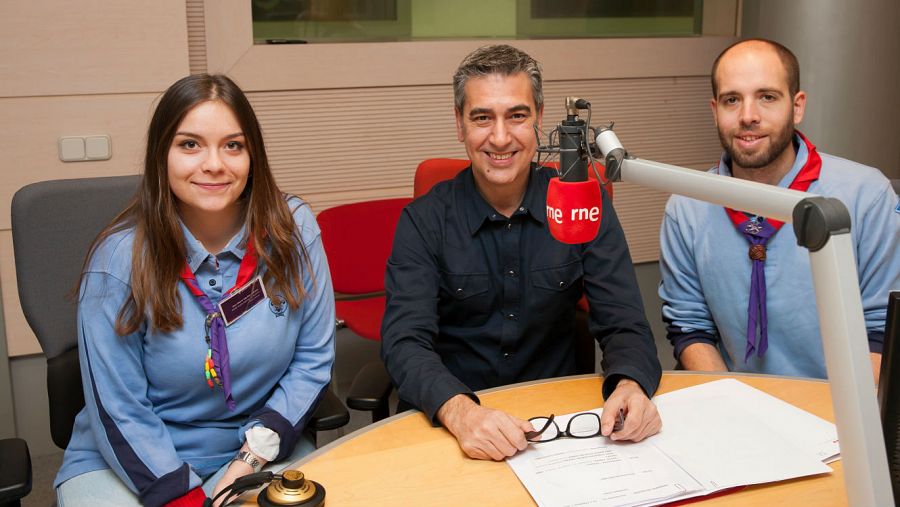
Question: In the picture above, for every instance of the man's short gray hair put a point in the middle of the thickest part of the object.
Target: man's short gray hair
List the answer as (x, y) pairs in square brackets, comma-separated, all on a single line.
[(498, 59)]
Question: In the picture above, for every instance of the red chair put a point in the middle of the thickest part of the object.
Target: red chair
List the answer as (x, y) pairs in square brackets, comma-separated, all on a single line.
[(357, 239), (434, 170)]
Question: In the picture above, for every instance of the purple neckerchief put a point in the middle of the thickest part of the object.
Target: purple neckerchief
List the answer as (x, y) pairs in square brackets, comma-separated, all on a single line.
[(215, 328), (215, 325), (758, 231)]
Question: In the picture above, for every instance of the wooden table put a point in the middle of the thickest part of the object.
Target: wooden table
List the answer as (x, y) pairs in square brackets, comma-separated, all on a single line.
[(404, 461)]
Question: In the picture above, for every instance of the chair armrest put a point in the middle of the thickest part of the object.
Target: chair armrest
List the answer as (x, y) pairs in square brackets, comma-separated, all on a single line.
[(15, 470), (371, 388), (331, 414)]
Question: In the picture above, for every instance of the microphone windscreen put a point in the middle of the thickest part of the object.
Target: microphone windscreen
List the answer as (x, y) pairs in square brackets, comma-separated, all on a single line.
[(574, 210)]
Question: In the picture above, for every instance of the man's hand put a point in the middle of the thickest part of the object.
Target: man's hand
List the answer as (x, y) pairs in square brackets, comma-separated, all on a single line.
[(641, 418), (483, 433)]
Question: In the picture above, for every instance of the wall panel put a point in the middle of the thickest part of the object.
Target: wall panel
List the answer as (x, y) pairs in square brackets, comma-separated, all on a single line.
[(196, 32), (850, 76), (33, 126), (90, 46)]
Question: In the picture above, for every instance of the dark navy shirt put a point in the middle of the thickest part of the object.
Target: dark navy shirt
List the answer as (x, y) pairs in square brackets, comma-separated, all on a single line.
[(478, 300)]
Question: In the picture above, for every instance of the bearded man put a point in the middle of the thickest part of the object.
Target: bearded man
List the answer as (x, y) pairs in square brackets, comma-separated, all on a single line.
[(737, 289)]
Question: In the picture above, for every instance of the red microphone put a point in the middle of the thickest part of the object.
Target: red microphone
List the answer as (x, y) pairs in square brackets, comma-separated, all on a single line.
[(573, 199), (574, 210)]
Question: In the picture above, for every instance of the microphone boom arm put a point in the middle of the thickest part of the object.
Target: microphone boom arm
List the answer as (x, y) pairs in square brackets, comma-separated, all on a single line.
[(822, 225)]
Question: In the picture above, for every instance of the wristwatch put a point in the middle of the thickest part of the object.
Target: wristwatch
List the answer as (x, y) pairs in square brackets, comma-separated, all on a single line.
[(250, 459)]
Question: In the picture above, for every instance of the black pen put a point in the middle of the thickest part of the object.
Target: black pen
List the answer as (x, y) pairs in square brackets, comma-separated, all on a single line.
[(620, 421)]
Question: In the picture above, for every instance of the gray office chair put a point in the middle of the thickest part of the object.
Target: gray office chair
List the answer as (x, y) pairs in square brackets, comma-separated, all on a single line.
[(53, 225), (15, 471)]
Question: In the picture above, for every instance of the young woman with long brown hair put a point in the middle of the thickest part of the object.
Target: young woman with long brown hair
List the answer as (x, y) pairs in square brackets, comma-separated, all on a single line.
[(205, 316)]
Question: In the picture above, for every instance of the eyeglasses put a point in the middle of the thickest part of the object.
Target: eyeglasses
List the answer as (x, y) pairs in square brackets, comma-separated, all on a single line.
[(584, 425)]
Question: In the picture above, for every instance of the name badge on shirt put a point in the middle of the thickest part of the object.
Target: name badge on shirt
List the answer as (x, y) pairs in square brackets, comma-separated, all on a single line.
[(242, 300)]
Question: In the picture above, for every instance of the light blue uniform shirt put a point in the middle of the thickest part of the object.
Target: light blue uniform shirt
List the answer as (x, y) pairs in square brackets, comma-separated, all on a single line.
[(149, 414), (706, 270)]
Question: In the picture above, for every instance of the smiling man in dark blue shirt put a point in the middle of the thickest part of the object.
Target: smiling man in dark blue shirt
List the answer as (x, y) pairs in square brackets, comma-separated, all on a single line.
[(480, 295)]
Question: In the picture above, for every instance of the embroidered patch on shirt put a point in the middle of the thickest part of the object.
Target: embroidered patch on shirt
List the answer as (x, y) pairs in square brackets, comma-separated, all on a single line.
[(277, 305), (897, 209)]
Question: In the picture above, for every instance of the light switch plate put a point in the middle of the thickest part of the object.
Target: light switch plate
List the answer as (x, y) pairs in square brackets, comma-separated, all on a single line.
[(71, 149), (97, 148)]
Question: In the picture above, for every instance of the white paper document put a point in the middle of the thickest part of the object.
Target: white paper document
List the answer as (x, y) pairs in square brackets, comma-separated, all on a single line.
[(598, 471), (715, 436), (794, 424)]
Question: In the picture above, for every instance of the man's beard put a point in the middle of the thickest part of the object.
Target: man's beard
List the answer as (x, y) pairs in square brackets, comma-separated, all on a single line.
[(779, 141)]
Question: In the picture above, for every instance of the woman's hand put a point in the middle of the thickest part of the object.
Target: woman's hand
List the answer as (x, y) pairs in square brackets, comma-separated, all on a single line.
[(236, 469)]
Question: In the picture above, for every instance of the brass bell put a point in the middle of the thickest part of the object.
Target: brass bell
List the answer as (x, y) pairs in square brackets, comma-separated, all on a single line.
[(293, 489)]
